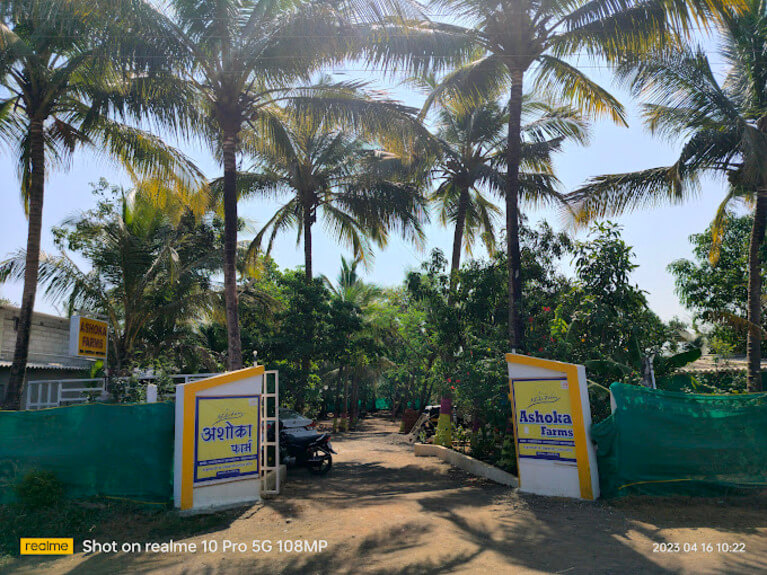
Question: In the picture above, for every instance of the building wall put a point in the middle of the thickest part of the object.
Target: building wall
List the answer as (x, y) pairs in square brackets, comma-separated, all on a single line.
[(48, 348), (49, 338)]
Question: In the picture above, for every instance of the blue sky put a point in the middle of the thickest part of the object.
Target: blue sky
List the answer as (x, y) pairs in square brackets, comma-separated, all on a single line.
[(659, 236)]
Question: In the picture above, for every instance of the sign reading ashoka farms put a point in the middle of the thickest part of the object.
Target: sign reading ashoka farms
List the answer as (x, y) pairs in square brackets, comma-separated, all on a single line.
[(552, 427), (220, 432), (88, 337), (226, 437), (544, 419)]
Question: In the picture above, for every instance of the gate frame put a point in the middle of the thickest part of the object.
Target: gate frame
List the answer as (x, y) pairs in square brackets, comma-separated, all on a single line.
[(265, 443)]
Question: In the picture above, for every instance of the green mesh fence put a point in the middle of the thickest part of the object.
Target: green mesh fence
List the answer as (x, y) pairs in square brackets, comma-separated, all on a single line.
[(379, 403), (671, 443), (94, 449)]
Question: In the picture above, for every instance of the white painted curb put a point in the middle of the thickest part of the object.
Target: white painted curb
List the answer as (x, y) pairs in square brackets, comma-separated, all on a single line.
[(469, 464)]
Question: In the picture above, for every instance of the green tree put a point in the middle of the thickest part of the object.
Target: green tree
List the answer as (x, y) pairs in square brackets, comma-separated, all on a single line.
[(234, 63), (479, 374), (366, 346), (302, 336), (148, 275), (466, 342), (505, 42), (341, 349), (410, 346), (605, 320), (65, 89), (724, 131), (718, 293), (332, 175), (350, 287), (329, 173), (472, 145)]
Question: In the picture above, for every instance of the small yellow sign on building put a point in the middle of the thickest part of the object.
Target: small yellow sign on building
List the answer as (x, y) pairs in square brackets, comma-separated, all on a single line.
[(88, 337)]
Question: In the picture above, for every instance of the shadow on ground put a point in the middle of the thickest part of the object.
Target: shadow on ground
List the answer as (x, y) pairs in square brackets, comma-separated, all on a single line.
[(454, 524)]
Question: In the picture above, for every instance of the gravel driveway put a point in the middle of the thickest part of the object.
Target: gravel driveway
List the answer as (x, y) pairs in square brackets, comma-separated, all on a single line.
[(383, 511)]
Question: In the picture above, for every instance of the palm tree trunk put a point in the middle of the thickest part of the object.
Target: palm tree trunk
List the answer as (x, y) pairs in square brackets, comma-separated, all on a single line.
[(460, 224), (355, 401), (337, 398), (308, 244), (306, 360), (230, 249), (754, 349), (346, 398), (514, 158), (36, 194)]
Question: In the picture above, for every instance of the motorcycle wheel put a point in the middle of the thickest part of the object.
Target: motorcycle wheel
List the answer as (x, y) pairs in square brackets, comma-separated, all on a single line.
[(323, 465)]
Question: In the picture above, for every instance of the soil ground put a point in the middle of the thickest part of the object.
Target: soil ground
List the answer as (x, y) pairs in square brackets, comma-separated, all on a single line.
[(383, 511)]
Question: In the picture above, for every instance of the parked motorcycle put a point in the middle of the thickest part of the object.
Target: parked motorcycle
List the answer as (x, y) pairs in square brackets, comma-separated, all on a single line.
[(306, 448)]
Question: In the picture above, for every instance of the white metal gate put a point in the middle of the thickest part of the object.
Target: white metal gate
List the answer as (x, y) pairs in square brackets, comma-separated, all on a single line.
[(270, 417)]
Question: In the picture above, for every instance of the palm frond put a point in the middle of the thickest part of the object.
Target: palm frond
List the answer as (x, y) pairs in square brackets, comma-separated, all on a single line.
[(616, 194), (479, 81), (559, 79), (718, 225), (417, 46)]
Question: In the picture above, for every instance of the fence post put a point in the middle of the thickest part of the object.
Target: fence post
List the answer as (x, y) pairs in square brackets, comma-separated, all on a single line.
[(151, 393)]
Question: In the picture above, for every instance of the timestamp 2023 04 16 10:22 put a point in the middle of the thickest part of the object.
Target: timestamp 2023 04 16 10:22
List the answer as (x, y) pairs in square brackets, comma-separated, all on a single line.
[(693, 547)]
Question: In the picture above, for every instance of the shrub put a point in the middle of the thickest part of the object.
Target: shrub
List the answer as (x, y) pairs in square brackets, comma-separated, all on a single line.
[(599, 399), (508, 459), (39, 489), (485, 443)]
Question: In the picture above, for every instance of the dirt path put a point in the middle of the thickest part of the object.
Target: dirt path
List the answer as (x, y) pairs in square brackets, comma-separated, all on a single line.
[(383, 511)]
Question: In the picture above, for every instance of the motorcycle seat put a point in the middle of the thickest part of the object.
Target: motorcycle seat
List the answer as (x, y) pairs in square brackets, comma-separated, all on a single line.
[(301, 440)]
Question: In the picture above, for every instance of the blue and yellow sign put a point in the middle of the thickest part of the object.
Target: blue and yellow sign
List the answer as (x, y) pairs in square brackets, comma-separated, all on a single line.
[(552, 421), (544, 419), (226, 437)]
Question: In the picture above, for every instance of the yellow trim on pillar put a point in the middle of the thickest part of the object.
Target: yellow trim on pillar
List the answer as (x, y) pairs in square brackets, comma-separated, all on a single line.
[(190, 406), (579, 429), (514, 425)]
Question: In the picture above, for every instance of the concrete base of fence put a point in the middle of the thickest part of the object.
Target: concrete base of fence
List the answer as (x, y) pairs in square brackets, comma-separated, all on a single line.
[(469, 464)]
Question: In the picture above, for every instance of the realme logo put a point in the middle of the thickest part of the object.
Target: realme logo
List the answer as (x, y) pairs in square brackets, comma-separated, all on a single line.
[(47, 546)]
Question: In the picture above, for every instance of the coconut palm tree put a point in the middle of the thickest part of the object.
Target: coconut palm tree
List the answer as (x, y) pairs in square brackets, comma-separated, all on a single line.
[(350, 287), (366, 359), (332, 175), (329, 174), (470, 164), (233, 61), (148, 274), (504, 44), (64, 90), (724, 129)]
